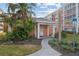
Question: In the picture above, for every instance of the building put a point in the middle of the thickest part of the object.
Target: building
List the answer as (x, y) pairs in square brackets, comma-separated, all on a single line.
[(56, 17), (1, 21), (43, 28), (71, 11), (49, 25), (67, 13)]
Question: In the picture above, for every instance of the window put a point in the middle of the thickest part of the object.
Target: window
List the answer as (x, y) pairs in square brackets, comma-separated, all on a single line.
[(65, 29)]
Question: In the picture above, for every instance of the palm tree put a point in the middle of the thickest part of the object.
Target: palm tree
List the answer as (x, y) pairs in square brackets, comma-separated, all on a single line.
[(31, 6), (11, 8), (20, 10), (24, 9), (12, 15)]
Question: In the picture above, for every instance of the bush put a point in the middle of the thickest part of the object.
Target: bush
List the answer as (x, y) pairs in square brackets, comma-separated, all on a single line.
[(67, 47), (56, 35), (21, 30), (2, 36), (65, 44), (64, 41), (69, 32), (64, 34), (53, 42), (9, 36), (20, 34)]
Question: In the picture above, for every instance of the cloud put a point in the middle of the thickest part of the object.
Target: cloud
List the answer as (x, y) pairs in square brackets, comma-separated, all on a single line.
[(43, 9)]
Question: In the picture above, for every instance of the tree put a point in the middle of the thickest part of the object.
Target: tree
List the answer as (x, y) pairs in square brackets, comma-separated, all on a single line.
[(31, 6), (59, 26), (20, 20), (12, 8), (12, 15), (22, 10), (25, 10), (22, 32)]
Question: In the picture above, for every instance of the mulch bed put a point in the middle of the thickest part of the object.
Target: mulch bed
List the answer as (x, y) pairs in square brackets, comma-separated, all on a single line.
[(66, 52), (29, 41)]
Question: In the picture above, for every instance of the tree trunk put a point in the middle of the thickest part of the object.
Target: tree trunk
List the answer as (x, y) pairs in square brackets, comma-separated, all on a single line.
[(59, 26)]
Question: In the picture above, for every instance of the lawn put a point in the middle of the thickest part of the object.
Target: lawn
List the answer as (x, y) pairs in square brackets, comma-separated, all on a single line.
[(18, 50)]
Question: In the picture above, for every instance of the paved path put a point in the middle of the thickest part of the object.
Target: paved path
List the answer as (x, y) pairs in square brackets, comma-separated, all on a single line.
[(46, 50)]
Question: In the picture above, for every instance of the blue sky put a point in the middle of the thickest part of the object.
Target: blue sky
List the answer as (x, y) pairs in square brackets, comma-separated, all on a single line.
[(41, 10), (46, 8)]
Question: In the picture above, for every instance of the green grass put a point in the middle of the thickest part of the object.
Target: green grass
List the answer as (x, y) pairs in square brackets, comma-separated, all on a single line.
[(17, 50)]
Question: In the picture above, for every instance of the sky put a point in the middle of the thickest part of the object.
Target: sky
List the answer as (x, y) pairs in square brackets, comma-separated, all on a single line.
[(41, 9)]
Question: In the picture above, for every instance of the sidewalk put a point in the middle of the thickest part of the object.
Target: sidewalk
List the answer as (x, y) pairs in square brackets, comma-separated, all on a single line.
[(46, 50)]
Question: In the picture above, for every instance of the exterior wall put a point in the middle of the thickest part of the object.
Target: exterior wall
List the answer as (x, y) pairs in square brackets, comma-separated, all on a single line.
[(33, 33), (58, 16), (70, 12), (1, 24), (54, 18), (5, 27), (47, 31), (50, 30)]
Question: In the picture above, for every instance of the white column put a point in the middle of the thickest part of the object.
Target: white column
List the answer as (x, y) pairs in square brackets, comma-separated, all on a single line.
[(9, 28), (48, 30), (53, 31), (38, 30), (77, 17)]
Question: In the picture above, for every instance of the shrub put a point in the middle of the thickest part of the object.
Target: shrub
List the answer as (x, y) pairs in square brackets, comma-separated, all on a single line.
[(65, 44), (9, 36), (21, 30), (56, 35), (64, 34), (20, 34), (67, 47), (2, 36), (53, 42)]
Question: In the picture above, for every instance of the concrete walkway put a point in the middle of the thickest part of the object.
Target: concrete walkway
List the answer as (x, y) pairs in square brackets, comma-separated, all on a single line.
[(46, 50)]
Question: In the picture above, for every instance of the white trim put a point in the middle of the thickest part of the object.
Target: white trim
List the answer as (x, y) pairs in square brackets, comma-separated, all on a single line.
[(53, 35), (48, 30), (41, 32), (44, 21), (38, 30)]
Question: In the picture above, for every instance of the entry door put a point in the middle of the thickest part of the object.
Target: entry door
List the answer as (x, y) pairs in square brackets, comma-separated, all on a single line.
[(41, 31)]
